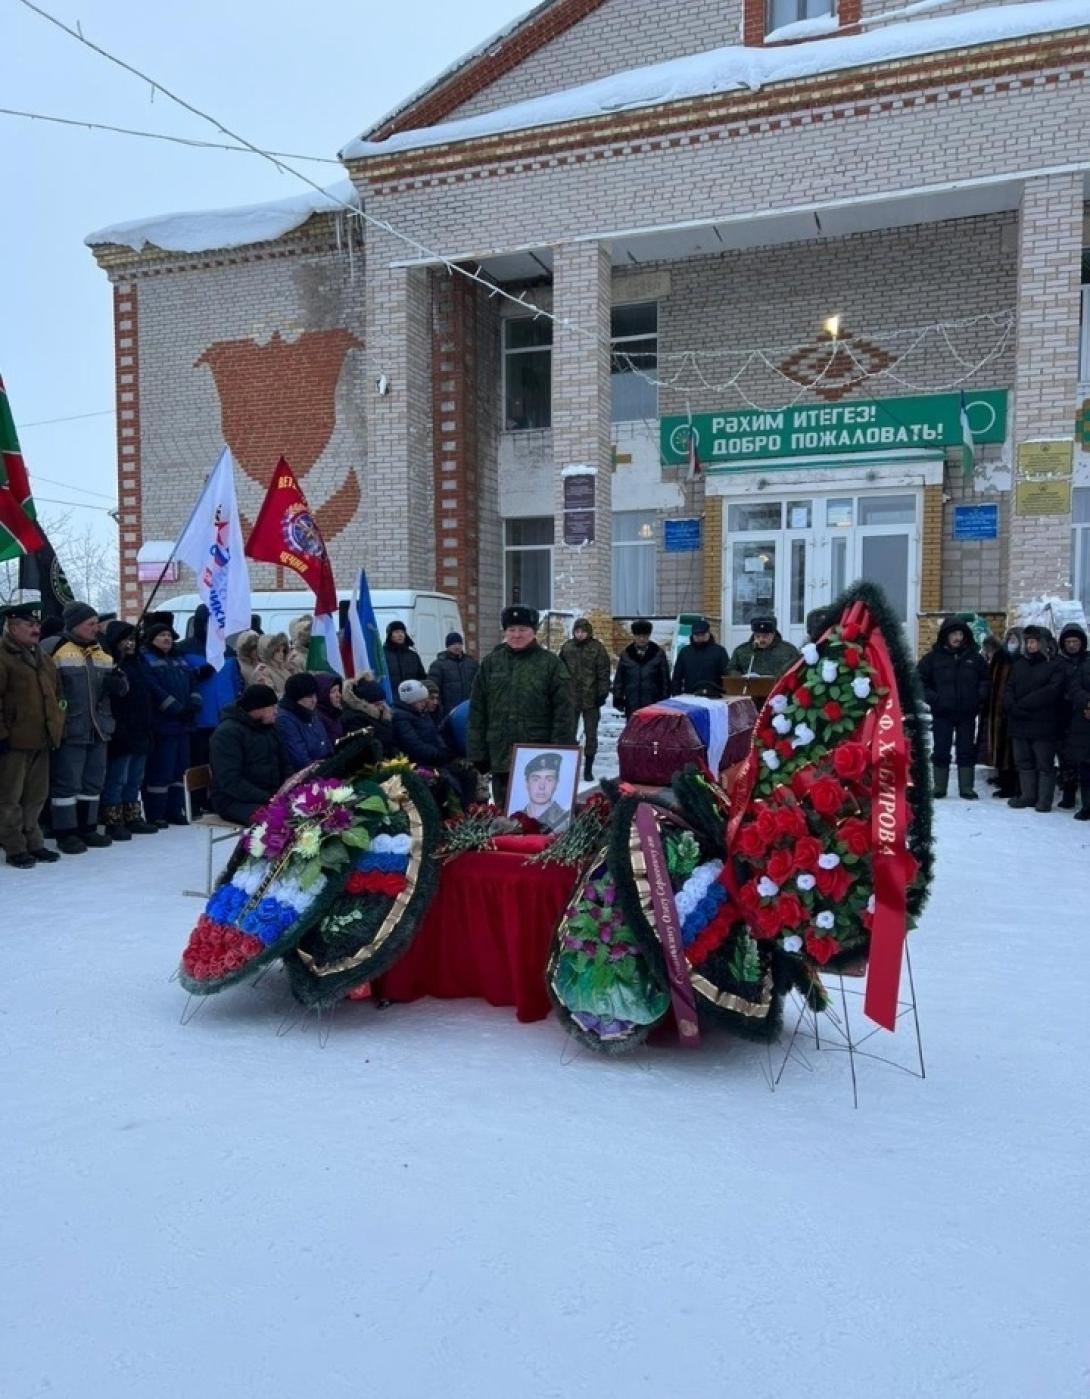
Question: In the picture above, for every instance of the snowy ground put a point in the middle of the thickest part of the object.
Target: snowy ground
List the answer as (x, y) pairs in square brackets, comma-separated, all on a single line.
[(441, 1202)]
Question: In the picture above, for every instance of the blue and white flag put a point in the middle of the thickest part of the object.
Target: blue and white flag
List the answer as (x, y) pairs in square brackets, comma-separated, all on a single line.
[(211, 544), (367, 652)]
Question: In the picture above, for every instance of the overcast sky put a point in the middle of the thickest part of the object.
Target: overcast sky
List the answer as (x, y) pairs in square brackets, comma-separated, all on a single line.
[(284, 84)]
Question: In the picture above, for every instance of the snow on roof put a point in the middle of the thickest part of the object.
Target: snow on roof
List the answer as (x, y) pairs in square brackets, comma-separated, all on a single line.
[(737, 66), (226, 228)]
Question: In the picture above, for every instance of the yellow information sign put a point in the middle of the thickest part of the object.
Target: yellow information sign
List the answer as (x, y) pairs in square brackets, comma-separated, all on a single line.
[(1042, 498), (1046, 459)]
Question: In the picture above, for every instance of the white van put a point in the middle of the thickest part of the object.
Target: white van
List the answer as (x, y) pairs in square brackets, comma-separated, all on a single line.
[(428, 616)]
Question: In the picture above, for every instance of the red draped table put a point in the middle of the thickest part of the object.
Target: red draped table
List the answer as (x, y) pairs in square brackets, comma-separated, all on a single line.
[(486, 934)]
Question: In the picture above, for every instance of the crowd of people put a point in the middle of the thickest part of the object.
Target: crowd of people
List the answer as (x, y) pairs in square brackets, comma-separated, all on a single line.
[(100, 719)]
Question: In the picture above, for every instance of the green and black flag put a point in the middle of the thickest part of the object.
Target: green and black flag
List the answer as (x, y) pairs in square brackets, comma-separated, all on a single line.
[(41, 572), (19, 532)]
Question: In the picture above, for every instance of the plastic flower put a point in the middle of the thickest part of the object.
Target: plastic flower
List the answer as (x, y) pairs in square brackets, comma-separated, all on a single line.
[(255, 842), (870, 904), (829, 860), (767, 888), (810, 653), (804, 736), (771, 760), (309, 842), (778, 703), (805, 882), (792, 943), (782, 724), (850, 761), (861, 686), (803, 698), (832, 711), (344, 793), (821, 949), (829, 671), (825, 919)]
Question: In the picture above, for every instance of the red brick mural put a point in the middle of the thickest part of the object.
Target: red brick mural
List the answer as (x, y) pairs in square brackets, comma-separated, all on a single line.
[(279, 399)]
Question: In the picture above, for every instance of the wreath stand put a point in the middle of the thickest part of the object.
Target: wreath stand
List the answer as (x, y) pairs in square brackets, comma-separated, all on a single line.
[(840, 1034)]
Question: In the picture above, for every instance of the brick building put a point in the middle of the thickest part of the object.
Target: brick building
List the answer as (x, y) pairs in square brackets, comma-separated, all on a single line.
[(822, 236)]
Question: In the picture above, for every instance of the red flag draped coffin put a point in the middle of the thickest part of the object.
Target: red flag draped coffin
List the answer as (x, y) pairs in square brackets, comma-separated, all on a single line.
[(662, 739)]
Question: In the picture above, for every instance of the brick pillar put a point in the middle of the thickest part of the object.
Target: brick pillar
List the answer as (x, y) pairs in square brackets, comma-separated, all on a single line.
[(456, 349), (398, 519), (1046, 370), (130, 503), (582, 576), (713, 562)]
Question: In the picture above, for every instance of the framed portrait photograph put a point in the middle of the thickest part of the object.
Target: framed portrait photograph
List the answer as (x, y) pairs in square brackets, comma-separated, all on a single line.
[(544, 781)]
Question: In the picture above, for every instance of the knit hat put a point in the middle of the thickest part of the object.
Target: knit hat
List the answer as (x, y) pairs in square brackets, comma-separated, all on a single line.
[(642, 627), (257, 697), (432, 686), (519, 616), (297, 687), (76, 612), (454, 639), (412, 692)]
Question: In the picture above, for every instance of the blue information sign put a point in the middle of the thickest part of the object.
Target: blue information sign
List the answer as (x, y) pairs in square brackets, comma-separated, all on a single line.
[(681, 536), (976, 521)]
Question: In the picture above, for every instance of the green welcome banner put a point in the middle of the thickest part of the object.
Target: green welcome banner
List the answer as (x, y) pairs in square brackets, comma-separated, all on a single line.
[(738, 440)]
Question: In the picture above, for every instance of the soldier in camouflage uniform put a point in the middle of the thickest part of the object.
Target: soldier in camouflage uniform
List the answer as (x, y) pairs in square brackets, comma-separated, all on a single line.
[(588, 661)]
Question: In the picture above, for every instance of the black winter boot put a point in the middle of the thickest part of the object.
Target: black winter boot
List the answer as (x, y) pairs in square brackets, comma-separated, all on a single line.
[(1068, 793), (966, 779), (941, 780), (1028, 794), (113, 820), (1046, 791), (69, 843), (87, 820), (588, 770)]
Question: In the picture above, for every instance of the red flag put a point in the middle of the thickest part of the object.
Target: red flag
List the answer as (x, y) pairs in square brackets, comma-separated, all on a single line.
[(19, 534), (695, 470), (286, 533)]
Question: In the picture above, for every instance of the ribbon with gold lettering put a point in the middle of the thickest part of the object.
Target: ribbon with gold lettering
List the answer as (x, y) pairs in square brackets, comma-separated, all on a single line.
[(667, 925), (889, 827)]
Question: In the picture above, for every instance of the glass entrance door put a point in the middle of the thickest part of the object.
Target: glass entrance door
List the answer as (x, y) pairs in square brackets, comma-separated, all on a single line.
[(790, 555)]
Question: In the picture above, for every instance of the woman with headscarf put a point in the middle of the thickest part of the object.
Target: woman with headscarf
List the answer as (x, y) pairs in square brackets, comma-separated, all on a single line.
[(996, 747), (331, 706), (274, 667)]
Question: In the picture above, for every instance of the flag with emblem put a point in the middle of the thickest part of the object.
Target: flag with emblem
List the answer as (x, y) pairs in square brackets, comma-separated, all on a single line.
[(287, 534), (19, 532)]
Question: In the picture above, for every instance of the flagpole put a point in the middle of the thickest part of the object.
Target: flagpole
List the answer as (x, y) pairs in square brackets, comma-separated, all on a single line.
[(174, 549)]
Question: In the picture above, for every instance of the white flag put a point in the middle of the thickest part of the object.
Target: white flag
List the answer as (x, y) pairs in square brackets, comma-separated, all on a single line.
[(211, 544)]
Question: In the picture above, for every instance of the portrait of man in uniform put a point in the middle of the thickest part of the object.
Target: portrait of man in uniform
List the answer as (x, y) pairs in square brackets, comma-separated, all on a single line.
[(543, 784)]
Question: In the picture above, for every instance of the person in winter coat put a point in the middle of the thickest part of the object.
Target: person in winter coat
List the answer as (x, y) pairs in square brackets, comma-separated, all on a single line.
[(273, 666), (1032, 701), (701, 665), (766, 652), (248, 760), (402, 661), (131, 741), (176, 703), (246, 654), (954, 677), (588, 664), (331, 706), (417, 735), (995, 747), (643, 672), (1078, 734), (453, 671), (522, 694), (301, 731), (217, 688), (31, 727), (89, 681), (299, 634), (365, 707), (1071, 654)]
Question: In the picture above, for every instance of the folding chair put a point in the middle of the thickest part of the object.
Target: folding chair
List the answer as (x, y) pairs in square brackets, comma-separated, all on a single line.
[(199, 779)]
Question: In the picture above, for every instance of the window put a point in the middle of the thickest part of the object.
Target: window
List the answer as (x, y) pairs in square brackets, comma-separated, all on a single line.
[(782, 12), (741, 519), (528, 561), (887, 509), (634, 553), (634, 338), (527, 373), (1080, 546)]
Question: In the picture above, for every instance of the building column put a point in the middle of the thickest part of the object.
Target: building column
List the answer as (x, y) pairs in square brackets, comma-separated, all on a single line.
[(582, 573), (1046, 372), (399, 524)]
